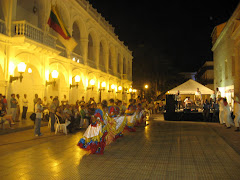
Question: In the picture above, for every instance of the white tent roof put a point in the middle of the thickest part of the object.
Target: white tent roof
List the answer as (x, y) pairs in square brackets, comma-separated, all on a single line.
[(190, 87)]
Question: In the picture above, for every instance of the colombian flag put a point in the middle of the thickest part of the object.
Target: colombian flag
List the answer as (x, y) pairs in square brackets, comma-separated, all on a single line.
[(56, 23)]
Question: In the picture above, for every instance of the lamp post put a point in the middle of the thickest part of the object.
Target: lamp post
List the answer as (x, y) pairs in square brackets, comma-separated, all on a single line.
[(92, 83), (102, 88), (21, 69), (77, 80), (54, 76)]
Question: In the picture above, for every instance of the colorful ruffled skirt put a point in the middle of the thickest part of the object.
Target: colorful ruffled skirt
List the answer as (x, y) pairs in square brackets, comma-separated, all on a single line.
[(130, 122), (94, 139), (120, 125)]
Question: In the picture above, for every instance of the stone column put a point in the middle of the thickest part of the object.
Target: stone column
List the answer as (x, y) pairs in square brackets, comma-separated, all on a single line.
[(96, 55), (106, 60), (84, 49)]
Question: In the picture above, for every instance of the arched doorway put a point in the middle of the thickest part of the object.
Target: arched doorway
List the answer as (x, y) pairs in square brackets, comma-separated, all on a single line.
[(90, 48), (31, 84)]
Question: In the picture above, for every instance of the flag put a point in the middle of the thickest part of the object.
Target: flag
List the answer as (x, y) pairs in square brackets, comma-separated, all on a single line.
[(56, 23)]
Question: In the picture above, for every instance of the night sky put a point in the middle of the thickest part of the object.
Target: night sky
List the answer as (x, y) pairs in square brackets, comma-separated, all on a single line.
[(166, 34)]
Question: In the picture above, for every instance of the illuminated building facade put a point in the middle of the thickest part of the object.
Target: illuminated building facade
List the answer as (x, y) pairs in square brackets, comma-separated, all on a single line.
[(99, 66), (226, 56)]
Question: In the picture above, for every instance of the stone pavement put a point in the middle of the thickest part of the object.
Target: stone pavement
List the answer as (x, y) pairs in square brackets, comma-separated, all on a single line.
[(19, 126), (160, 150)]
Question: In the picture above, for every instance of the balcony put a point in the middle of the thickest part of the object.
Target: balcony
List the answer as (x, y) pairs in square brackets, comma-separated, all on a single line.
[(62, 50), (110, 71), (77, 58), (23, 28), (91, 63), (126, 77), (102, 68), (2, 27)]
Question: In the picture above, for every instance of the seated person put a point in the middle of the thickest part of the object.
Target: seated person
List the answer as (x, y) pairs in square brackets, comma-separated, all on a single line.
[(84, 115), (4, 116), (188, 102)]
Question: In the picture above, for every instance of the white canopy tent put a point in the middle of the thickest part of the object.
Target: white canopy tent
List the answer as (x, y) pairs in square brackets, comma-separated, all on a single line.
[(190, 87)]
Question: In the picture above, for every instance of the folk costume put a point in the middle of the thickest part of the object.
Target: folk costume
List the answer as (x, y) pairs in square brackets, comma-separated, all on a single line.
[(94, 137)]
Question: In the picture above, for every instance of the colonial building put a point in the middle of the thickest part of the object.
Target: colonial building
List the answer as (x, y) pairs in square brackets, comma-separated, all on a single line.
[(226, 56), (205, 75), (99, 66)]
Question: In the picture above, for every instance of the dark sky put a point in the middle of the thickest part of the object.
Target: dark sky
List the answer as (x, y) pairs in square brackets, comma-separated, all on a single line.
[(175, 33)]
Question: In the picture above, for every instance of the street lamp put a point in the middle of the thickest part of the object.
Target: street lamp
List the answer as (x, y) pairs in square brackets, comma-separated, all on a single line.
[(130, 90), (119, 89), (103, 86), (112, 87), (77, 80), (21, 69), (92, 83), (146, 86), (54, 76)]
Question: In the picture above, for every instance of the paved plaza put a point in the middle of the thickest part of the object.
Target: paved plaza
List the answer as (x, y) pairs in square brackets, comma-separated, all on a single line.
[(160, 150)]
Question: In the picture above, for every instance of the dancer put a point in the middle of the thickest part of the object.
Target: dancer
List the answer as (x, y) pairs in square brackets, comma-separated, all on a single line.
[(94, 137)]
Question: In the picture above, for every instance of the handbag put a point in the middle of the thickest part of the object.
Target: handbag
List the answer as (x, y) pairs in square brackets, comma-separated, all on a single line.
[(33, 116)]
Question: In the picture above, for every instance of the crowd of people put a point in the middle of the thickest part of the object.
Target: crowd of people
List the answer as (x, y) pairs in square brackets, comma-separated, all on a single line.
[(108, 122), (222, 111), (11, 113)]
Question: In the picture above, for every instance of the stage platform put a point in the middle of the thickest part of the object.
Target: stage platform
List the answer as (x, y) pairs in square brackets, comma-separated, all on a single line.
[(190, 116)]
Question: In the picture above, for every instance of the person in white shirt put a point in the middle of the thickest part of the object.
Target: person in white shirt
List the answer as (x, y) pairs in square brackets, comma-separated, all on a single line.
[(218, 94), (198, 97), (236, 112), (25, 106), (65, 100)]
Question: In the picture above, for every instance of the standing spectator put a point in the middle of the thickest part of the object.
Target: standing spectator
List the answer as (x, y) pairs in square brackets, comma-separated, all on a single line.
[(38, 111), (35, 101), (5, 107), (178, 100), (213, 97), (237, 112), (218, 94), (57, 101), (64, 100), (18, 107), (25, 106), (82, 101), (198, 97), (45, 102), (50, 100), (221, 111), (227, 113), (206, 110), (215, 116), (52, 110), (13, 106)]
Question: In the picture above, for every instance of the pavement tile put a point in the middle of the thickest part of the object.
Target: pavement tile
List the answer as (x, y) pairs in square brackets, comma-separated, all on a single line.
[(161, 150)]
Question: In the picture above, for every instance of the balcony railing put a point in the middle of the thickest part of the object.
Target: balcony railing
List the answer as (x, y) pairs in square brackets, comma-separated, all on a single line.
[(62, 50), (77, 58), (2, 27), (102, 68), (91, 63), (23, 28)]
